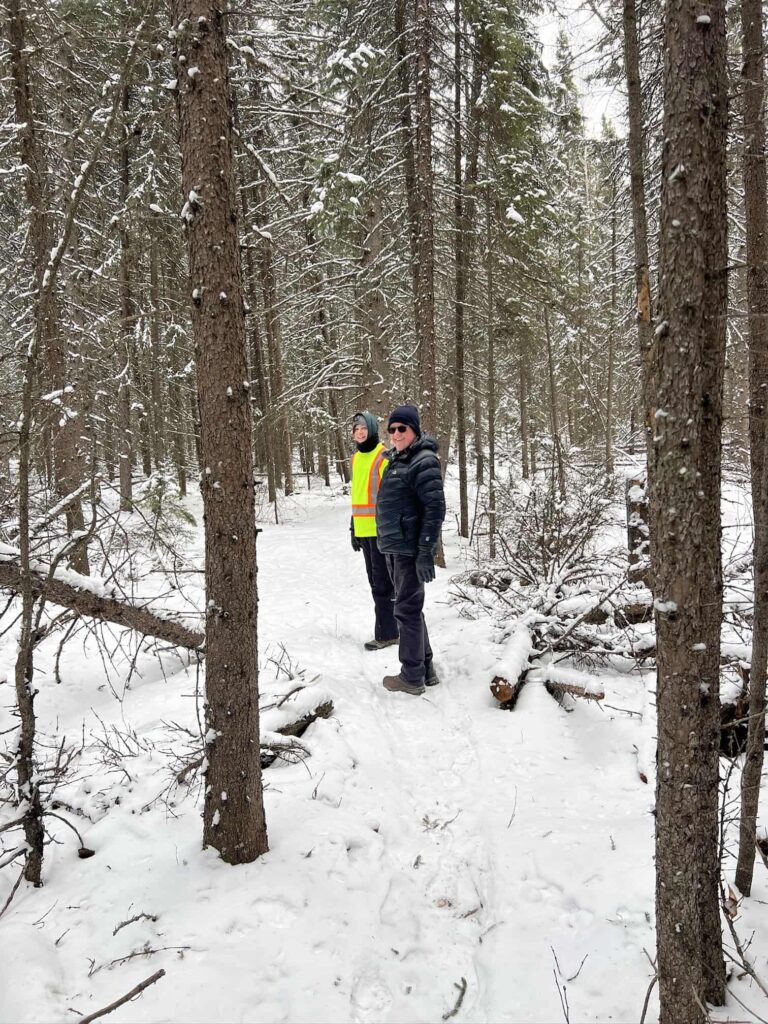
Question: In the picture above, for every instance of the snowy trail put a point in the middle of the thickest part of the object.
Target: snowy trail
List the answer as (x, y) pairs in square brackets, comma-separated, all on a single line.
[(426, 841)]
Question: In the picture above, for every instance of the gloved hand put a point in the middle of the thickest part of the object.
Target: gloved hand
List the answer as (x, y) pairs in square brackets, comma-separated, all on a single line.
[(425, 567), (356, 545)]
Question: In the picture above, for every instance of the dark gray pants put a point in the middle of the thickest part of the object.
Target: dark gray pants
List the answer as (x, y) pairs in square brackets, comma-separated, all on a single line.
[(381, 589), (415, 651)]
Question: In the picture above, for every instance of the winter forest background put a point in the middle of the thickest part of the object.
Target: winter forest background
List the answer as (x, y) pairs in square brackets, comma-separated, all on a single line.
[(222, 233)]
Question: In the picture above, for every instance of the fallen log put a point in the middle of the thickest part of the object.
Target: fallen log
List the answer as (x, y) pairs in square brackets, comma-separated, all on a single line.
[(300, 726), (271, 751), (506, 693), (558, 689), (82, 597)]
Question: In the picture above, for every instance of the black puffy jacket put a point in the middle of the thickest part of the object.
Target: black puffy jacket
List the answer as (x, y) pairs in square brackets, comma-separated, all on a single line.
[(411, 505)]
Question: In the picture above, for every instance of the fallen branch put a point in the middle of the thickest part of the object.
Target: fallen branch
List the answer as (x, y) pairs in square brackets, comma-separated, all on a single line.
[(459, 999), (300, 726), (86, 601), (124, 999), (271, 750)]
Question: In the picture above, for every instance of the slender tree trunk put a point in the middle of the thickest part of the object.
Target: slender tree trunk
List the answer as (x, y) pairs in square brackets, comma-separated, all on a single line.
[(639, 218), (685, 509), (460, 229), (491, 372), (127, 319), (753, 76), (233, 813), (157, 369), (278, 412), (374, 310), (553, 413), (524, 436), (611, 339), (424, 303), (406, 128), (265, 446), (478, 415)]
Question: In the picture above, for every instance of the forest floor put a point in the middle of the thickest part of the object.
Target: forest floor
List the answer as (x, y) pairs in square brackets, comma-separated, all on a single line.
[(427, 847)]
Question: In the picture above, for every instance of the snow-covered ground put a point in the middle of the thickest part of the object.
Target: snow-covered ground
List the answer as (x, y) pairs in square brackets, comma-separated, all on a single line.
[(427, 847)]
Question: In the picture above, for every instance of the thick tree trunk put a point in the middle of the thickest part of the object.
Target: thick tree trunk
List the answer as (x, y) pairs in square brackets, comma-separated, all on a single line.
[(685, 509), (753, 76), (234, 812)]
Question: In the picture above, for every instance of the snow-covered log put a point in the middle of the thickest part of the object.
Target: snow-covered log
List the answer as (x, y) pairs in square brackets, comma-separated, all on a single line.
[(94, 598)]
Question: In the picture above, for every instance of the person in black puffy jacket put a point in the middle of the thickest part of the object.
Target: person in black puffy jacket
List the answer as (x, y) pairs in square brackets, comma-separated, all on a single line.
[(409, 513)]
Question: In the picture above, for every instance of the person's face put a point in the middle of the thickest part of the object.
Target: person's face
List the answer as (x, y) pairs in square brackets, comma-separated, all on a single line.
[(359, 433), (401, 436)]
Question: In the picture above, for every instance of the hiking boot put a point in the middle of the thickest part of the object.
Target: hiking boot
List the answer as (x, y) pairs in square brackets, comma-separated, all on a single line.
[(378, 645), (396, 684), (432, 678)]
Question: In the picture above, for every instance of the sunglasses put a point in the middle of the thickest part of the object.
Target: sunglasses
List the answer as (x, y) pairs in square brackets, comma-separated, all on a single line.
[(397, 429)]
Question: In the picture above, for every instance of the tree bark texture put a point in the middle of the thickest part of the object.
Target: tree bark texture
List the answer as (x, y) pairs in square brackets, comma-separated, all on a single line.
[(685, 508), (754, 173), (233, 814)]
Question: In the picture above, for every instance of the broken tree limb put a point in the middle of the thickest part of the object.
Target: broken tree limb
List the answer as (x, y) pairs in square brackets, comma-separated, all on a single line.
[(124, 999), (300, 726), (82, 596)]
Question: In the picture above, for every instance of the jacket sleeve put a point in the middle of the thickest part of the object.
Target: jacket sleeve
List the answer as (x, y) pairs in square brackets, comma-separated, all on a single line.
[(428, 485)]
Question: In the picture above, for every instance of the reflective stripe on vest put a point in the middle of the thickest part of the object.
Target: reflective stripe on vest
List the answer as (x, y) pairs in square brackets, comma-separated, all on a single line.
[(365, 488)]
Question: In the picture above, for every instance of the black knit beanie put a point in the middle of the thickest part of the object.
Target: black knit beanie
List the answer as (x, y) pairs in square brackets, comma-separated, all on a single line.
[(408, 415)]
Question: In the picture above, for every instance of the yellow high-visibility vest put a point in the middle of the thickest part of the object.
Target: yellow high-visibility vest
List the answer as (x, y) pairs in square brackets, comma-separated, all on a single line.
[(367, 468)]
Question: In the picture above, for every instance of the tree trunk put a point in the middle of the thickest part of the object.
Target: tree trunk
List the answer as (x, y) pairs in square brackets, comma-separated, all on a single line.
[(639, 218), (424, 300), (553, 413), (157, 369), (753, 76), (611, 337), (233, 812), (460, 228), (127, 319), (491, 372), (685, 509), (374, 310), (524, 439)]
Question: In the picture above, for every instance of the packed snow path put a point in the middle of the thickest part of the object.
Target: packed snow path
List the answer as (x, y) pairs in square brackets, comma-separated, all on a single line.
[(429, 844)]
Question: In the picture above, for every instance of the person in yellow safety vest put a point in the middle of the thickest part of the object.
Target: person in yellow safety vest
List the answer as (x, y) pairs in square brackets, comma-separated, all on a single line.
[(368, 463)]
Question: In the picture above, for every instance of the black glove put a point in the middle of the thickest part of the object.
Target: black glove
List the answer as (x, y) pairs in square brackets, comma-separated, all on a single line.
[(425, 567), (356, 545)]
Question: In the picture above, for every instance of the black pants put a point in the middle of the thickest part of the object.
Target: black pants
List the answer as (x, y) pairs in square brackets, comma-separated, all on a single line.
[(381, 588), (415, 651)]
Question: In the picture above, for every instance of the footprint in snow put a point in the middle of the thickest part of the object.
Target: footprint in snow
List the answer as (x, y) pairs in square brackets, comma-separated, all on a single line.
[(370, 998)]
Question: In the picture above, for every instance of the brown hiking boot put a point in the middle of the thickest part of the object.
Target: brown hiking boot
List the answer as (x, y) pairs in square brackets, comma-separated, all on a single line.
[(378, 645), (396, 684), (433, 679)]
